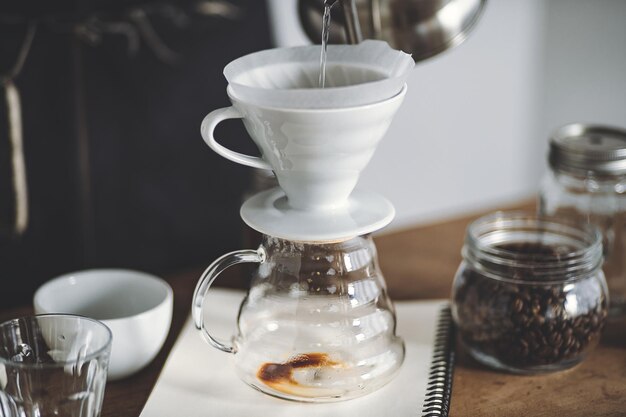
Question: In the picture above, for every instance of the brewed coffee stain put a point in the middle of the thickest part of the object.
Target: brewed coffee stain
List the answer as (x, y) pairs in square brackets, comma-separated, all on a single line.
[(277, 374)]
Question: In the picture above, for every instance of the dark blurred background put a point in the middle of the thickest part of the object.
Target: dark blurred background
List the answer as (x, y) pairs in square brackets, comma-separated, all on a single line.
[(112, 96)]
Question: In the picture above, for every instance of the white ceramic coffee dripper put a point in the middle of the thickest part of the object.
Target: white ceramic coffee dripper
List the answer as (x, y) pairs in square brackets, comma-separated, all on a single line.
[(316, 140), (317, 155)]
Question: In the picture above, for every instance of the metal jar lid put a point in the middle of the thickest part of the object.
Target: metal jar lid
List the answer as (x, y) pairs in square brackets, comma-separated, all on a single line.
[(582, 149)]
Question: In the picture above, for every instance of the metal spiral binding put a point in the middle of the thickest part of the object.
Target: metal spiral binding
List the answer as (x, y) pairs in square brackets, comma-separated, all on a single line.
[(437, 401)]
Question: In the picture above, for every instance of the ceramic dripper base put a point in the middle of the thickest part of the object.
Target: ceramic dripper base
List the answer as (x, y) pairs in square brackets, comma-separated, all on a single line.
[(269, 212)]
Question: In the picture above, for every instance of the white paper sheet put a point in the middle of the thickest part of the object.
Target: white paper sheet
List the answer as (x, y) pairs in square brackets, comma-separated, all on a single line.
[(200, 381)]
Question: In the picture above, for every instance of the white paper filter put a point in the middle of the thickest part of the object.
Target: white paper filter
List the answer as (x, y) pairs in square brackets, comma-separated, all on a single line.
[(360, 74)]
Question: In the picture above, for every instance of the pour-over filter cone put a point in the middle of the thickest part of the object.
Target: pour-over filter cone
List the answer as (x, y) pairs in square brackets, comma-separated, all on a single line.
[(317, 155), (289, 77), (317, 141)]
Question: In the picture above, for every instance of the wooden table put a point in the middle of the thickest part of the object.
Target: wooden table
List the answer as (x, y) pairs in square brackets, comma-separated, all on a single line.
[(420, 263)]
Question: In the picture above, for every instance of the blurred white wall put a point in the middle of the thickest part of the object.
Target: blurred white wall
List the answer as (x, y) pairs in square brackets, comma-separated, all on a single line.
[(584, 63), (472, 132)]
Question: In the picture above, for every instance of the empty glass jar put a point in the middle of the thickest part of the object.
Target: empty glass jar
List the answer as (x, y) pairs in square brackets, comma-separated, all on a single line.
[(317, 323), (530, 294), (587, 184)]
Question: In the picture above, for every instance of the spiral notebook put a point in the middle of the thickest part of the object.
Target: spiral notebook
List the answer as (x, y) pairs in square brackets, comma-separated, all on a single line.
[(200, 381)]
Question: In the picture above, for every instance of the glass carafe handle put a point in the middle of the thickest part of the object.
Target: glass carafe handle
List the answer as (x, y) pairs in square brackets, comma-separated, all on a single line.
[(207, 278)]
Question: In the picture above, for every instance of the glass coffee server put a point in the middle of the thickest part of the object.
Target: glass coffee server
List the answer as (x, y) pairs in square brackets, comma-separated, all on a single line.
[(587, 184), (317, 323)]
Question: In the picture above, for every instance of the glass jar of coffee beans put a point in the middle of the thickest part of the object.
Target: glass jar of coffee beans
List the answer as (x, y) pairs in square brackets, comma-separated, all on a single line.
[(530, 295)]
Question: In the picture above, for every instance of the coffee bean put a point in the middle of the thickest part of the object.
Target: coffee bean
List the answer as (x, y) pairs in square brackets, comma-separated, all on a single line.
[(535, 309), (555, 339)]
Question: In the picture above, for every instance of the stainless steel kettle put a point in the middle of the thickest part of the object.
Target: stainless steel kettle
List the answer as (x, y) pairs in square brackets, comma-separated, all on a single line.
[(422, 28)]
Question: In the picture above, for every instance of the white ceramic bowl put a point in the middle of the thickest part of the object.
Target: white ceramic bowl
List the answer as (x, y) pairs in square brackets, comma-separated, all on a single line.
[(136, 306)]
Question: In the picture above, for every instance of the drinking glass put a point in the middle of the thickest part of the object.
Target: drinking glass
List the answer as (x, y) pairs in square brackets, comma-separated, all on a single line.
[(53, 365)]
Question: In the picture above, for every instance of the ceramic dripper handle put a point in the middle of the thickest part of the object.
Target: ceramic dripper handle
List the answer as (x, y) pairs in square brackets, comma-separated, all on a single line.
[(208, 126), (207, 278)]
